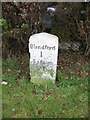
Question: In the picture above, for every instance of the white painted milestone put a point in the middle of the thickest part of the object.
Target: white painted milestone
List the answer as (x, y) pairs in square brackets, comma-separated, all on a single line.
[(43, 49)]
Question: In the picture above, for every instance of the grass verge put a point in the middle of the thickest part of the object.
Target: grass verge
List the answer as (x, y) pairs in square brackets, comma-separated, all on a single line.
[(23, 99)]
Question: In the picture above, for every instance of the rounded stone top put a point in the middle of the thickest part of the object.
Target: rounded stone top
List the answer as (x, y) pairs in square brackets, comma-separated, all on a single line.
[(44, 36)]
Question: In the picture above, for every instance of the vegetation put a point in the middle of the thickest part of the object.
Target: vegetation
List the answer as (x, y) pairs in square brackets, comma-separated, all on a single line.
[(70, 22), (22, 99), (68, 97), (3, 23)]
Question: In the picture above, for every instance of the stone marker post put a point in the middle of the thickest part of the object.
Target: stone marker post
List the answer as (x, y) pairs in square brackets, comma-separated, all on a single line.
[(43, 49)]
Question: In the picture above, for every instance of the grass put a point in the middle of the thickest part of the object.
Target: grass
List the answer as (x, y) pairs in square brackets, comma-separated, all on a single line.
[(23, 99)]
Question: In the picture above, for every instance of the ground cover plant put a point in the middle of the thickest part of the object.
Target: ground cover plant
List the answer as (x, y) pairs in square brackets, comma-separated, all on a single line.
[(68, 98)]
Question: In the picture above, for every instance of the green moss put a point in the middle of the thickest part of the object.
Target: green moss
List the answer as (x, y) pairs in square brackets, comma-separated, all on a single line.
[(41, 81), (37, 74)]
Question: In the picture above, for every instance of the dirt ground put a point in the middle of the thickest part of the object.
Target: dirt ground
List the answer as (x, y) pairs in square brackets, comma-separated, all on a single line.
[(67, 59)]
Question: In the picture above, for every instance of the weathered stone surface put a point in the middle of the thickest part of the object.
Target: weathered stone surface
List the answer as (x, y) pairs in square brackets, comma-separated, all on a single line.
[(43, 48), (69, 45)]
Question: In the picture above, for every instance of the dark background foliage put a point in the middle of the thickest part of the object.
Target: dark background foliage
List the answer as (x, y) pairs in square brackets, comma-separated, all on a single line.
[(20, 20)]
